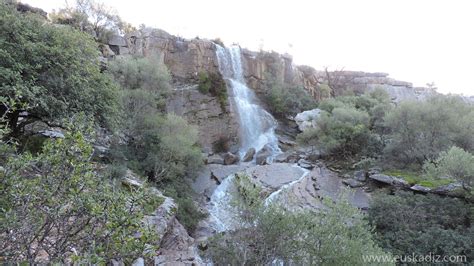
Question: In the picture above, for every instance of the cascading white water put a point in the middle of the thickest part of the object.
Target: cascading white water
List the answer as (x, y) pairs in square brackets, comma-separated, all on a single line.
[(257, 130), (257, 126)]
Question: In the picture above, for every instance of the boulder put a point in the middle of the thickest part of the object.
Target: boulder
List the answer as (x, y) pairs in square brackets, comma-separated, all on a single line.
[(420, 188), (55, 134), (230, 158), (360, 176), (262, 156), (286, 157), (307, 119), (131, 180), (352, 183), (305, 164), (249, 155), (215, 159), (389, 180), (275, 175), (453, 189)]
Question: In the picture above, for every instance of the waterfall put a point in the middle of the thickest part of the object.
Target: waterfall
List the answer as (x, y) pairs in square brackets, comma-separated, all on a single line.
[(257, 130), (257, 126)]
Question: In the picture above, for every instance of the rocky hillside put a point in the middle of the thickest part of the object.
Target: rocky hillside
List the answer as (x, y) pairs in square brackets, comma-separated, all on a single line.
[(186, 58)]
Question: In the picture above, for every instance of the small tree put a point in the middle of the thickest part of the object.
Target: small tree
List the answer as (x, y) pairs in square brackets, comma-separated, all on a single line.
[(52, 72), (455, 163)]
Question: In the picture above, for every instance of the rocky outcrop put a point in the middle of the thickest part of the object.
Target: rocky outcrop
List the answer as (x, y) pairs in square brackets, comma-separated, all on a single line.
[(206, 113), (184, 58)]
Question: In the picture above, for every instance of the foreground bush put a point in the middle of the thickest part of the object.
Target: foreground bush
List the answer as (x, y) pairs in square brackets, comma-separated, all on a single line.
[(55, 207), (53, 72), (420, 224)]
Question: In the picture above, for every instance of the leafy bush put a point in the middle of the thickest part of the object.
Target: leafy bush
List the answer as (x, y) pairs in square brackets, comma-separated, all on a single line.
[(148, 73), (407, 223), (55, 202), (350, 126), (421, 130), (455, 163), (213, 84), (283, 100), (53, 71)]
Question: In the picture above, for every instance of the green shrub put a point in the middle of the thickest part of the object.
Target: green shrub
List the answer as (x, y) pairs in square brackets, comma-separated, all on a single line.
[(212, 83), (420, 130), (409, 223), (455, 163), (283, 100), (52, 71), (56, 201)]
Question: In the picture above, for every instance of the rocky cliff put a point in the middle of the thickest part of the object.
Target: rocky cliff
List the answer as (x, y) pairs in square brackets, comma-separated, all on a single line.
[(186, 58)]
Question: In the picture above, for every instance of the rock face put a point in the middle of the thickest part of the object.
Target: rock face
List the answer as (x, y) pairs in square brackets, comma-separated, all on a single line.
[(307, 119), (206, 113), (184, 58)]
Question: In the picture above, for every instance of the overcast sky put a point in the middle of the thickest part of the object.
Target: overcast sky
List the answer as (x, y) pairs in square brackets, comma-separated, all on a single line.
[(413, 40)]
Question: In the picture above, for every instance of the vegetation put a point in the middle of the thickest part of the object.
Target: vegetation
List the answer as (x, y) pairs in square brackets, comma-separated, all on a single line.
[(407, 223), (419, 131), (213, 84), (55, 205), (336, 236), (162, 147), (455, 163), (350, 126), (92, 17), (51, 71), (284, 100)]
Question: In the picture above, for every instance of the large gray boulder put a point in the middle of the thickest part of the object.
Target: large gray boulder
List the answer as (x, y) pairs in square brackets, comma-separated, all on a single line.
[(249, 155), (420, 188), (360, 176), (307, 119), (389, 180), (262, 156), (352, 183), (215, 159), (274, 175), (230, 158)]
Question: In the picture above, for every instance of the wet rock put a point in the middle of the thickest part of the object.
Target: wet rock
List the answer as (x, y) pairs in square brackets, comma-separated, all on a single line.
[(262, 155), (352, 183), (307, 119), (249, 155), (230, 158), (275, 175), (286, 157), (360, 176), (305, 164), (215, 159), (420, 188)]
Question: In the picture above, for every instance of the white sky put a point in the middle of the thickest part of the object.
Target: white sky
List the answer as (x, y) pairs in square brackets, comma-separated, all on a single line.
[(414, 40)]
